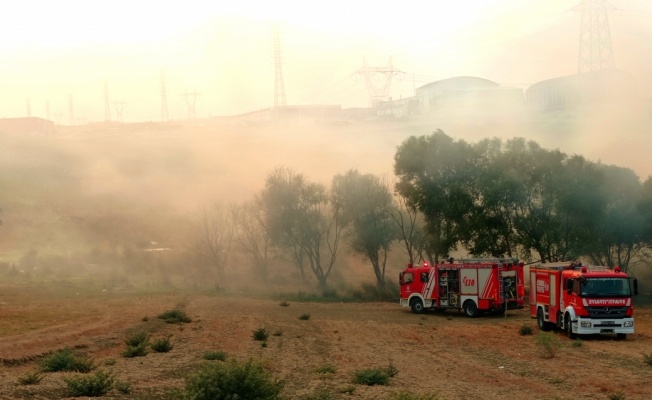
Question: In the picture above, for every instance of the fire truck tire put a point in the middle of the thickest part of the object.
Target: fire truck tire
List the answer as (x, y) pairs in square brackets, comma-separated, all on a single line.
[(470, 309), (543, 325), (569, 327), (417, 306)]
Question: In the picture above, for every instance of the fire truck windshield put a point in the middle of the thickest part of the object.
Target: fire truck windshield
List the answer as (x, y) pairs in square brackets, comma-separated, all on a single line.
[(605, 287)]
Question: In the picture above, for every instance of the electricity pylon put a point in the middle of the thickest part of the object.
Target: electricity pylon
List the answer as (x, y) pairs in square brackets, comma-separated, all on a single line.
[(378, 80), (595, 38), (279, 86)]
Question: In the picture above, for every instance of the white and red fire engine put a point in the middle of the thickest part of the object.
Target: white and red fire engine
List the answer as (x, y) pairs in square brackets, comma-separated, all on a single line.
[(582, 299), (472, 285)]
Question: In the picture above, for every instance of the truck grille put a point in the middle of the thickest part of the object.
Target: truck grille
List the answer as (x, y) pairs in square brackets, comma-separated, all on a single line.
[(607, 312)]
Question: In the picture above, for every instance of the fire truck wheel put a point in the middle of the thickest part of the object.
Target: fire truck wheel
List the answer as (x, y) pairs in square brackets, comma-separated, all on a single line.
[(543, 325), (417, 306), (569, 328), (470, 309)]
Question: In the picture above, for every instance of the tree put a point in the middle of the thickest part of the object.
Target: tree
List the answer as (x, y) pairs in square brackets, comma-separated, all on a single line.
[(252, 234), (214, 236), (433, 174), (302, 220), (411, 229), (366, 205)]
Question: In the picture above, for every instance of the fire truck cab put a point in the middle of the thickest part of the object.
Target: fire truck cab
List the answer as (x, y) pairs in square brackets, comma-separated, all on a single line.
[(471, 285), (581, 299)]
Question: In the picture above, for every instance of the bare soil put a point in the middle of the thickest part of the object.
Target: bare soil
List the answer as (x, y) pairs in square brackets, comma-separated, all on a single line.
[(442, 354)]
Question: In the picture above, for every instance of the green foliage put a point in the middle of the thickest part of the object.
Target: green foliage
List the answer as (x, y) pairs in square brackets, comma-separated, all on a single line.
[(375, 376), (215, 355), (284, 304), (525, 329), (162, 345), (137, 344), (577, 343), (263, 343), (326, 369), (30, 378), (123, 387), (647, 358), (233, 380), (319, 394), (411, 396), (175, 316), (90, 385), (304, 317), (67, 360), (548, 344), (616, 396), (260, 334)]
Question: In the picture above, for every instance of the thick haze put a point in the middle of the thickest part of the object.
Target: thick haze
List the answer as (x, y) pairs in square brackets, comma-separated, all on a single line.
[(224, 51)]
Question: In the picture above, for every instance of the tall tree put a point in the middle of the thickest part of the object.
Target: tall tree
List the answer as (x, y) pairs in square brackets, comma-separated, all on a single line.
[(252, 234), (411, 229), (433, 174), (366, 204), (214, 237)]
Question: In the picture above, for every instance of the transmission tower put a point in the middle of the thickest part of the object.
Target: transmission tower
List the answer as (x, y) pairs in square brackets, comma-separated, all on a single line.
[(191, 101), (378, 80), (595, 38), (165, 116), (107, 104), (119, 108), (279, 86)]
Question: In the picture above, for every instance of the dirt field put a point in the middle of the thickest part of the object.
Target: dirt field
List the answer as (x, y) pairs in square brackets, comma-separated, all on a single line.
[(446, 355)]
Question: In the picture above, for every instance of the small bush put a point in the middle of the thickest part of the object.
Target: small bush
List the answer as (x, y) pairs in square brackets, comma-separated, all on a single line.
[(577, 343), (277, 333), (137, 344), (347, 389), (391, 370), (33, 378), (319, 394), (263, 343), (548, 344), (175, 316), (260, 334), (162, 345), (284, 303), (616, 396), (304, 317), (411, 396), (90, 385), (371, 377), (66, 360), (123, 387), (325, 369), (215, 355), (525, 330), (647, 358), (233, 380), (109, 361)]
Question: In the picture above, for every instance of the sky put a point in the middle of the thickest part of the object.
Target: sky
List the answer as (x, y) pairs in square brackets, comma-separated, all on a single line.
[(221, 54)]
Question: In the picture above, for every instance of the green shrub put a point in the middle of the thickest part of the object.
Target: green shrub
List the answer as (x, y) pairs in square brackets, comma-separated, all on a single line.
[(175, 316), (319, 394), (525, 330), (90, 385), (162, 345), (233, 380), (548, 344), (577, 343), (616, 396), (66, 360), (411, 396), (284, 303), (137, 344), (215, 355), (304, 317), (647, 358), (123, 387), (260, 334), (371, 377), (30, 379), (325, 369)]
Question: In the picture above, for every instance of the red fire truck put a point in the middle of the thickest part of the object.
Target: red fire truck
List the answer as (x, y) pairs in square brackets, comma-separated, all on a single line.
[(582, 299), (472, 285)]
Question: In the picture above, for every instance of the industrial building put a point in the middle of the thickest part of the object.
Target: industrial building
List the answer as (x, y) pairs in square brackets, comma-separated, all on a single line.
[(27, 125)]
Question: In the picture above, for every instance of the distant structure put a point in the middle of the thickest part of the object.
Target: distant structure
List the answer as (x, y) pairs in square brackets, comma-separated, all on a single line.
[(107, 104), (165, 116), (119, 108), (29, 125), (279, 85), (191, 102), (596, 52), (378, 80)]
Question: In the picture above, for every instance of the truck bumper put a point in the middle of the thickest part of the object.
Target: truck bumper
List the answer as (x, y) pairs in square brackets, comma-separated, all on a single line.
[(587, 326)]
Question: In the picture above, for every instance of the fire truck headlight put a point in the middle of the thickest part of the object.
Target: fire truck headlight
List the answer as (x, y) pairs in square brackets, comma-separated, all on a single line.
[(586, 324), (628, 324)]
